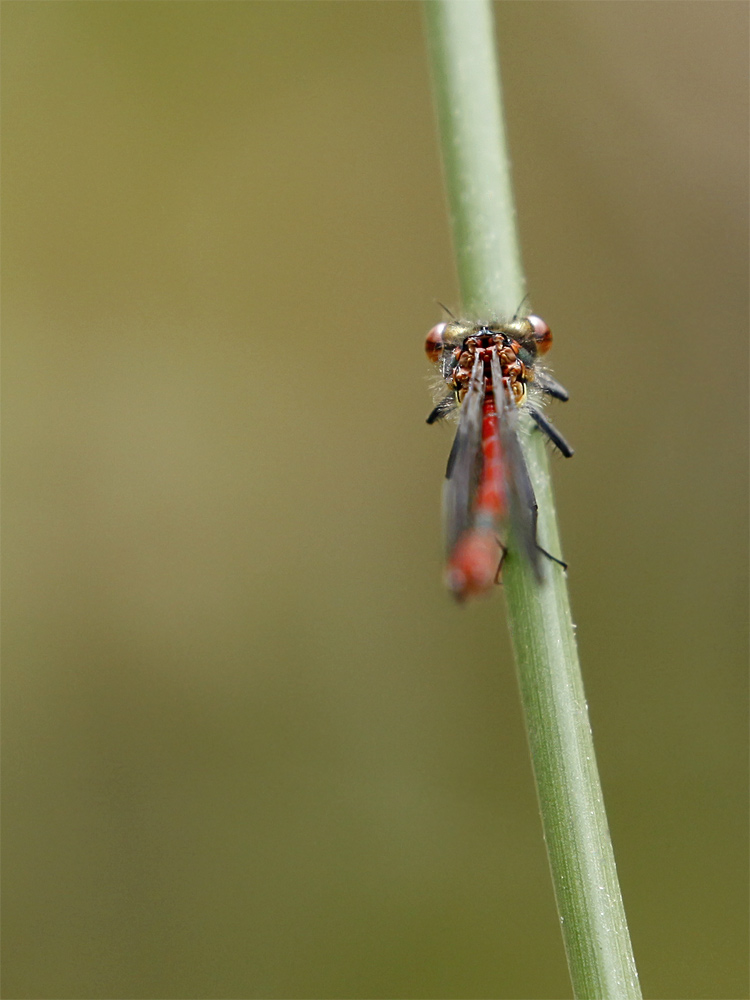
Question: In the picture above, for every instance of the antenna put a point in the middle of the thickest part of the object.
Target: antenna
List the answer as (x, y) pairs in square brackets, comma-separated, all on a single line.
[(519, 306), (447, 310)]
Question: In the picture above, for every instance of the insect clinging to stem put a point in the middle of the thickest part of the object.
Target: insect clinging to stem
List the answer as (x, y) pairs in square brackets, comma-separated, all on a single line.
[(492, 374)]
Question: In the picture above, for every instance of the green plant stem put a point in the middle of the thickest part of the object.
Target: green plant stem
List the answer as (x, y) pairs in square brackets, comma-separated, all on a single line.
[(477, 172)]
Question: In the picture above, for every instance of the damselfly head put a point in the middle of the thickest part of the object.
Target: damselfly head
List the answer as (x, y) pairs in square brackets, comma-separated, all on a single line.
[(455, 346), (530, 333)]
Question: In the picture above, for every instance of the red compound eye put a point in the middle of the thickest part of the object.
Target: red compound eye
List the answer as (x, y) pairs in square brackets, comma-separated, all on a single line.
[(542, 334), (433, 345)]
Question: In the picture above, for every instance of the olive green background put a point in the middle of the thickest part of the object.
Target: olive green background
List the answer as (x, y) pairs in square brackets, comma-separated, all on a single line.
[(251, 749)]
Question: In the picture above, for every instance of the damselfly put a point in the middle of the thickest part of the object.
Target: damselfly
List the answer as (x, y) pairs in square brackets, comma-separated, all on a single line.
[(493, 378)]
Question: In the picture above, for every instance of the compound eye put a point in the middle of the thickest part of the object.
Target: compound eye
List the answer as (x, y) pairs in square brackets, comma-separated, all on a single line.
[(542, 334), (434, 343)]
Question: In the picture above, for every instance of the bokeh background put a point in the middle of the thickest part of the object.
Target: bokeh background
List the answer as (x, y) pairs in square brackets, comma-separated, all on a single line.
[(251, 748)]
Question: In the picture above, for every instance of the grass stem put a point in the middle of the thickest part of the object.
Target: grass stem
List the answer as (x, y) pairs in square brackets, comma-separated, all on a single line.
[(468, 100)]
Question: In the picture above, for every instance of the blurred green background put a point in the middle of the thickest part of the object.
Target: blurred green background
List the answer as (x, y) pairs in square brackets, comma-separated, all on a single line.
[(251, 747)]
